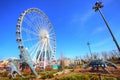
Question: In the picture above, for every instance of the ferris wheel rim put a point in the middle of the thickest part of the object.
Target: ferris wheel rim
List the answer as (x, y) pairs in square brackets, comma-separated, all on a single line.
[(20, 20)]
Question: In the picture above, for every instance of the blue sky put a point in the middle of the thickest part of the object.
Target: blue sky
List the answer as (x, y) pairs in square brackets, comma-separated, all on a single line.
[(74, 22)]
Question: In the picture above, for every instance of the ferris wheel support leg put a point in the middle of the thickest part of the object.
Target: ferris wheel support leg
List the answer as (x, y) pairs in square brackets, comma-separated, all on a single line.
[(32, 68), (32, 50), (41, 51), (34, 58), (37, 53), (51, 54), (25, 57), (45, 56)]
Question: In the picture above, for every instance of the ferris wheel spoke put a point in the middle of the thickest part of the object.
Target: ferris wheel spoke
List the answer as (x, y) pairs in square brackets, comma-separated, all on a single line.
[(35, 56), (35, 23), (50, 50), (51, 53), (51, 32), (28, 22), (43, 18), (35, 51), (32, 39), (33, 48), (52, 35), (46, 24), (49, 26), (38, 25), (45, 57), (40, 20), (51, 39), (29, 31), (41, 51)]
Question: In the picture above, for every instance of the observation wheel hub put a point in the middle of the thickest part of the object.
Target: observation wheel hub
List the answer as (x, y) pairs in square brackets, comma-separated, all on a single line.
[(43, 35)]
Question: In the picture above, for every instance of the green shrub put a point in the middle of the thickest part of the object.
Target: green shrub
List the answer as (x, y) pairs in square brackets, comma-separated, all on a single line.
[(56, 79), (44, 77), (60, 69), (110, 78), (118, 78), (5, 74), (47, 75), (56, 74), (28, 77), (78, 77), (50, 76), (72, 70), (75, 77), (1, 74), (85, 77), (17, 79), (94, 78)]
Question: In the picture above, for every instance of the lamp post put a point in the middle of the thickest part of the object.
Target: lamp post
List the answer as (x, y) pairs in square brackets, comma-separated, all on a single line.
[(89, 49), (97, 7)]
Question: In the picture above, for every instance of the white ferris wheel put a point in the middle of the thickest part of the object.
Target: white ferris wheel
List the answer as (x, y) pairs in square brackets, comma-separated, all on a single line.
[(35, 32)]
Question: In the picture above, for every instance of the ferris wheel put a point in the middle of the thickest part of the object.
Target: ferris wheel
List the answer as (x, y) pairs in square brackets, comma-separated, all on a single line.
[(35, 32)]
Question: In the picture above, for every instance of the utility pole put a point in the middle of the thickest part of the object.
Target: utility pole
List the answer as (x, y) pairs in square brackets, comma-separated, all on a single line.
[(97, 7)]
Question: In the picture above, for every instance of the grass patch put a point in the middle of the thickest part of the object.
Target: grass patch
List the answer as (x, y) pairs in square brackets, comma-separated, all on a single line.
[(85, 77)]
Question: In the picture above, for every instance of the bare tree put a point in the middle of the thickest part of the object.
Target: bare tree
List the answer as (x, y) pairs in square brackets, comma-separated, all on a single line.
[(104, 55), (95, 55), (87, 57), (113, 55), (62, 62)]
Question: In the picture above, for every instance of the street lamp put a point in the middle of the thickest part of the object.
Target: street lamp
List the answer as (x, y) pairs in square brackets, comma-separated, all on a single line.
[(89, 49), (97, 7)]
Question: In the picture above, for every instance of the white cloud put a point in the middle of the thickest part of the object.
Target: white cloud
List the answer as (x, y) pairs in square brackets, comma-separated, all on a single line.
[(85, 17), (101, 43), (81, 19), (98, 30), (107, 2), (108, 41)]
